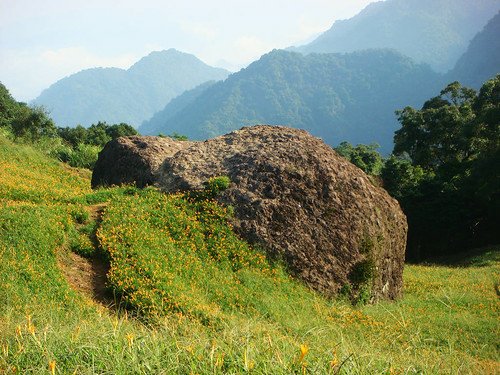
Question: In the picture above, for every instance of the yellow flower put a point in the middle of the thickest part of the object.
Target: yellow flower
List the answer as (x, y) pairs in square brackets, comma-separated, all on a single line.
[(52, 367), (130, 339), (304, 349), (30, 326), (249, 364), (335, 361)]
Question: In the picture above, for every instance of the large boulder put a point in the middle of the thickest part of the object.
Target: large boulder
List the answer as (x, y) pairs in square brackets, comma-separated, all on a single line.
[(296, 198), (133, 160)]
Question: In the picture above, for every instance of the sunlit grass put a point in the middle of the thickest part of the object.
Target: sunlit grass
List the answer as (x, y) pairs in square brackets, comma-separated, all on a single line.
[(201, 301)]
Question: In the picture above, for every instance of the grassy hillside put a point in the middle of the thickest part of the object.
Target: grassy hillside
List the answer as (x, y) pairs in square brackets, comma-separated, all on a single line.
[(190, 297)]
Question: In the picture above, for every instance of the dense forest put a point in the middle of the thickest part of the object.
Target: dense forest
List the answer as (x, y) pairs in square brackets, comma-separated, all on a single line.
[(444, 170)]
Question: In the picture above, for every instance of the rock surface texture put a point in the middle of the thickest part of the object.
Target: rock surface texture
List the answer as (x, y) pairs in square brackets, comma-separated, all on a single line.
[(133, 160), (301, 202)]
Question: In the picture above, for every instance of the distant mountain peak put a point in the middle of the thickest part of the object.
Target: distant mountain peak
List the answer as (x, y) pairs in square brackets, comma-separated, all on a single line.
[(165, 57), (132, 96), (435, 32)]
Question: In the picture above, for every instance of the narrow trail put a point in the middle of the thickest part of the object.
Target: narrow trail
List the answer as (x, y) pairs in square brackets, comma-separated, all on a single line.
[(88, 276)]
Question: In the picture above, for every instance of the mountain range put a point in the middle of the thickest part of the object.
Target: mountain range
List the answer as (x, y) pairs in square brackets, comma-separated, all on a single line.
[(339, 97), (348, 95), (435, 32), (133, 95)]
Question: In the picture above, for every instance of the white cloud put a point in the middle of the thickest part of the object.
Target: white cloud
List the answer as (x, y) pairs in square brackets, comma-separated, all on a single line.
[(71, 58)]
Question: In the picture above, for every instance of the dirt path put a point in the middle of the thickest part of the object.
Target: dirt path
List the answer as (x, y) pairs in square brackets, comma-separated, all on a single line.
[(88, 276)]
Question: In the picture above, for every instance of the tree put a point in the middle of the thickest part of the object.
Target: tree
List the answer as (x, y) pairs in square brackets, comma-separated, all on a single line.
[(32, 123), (101, 133), (121, 130), (434, 136), (449, 185), (365, 157), (402, 178), (97, 134), (73, 136), (8, 107)]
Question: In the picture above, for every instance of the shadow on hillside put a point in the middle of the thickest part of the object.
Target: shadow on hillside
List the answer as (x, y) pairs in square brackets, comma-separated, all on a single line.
[(480, 257)]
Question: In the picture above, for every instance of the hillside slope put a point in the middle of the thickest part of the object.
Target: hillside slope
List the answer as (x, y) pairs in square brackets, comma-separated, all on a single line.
[(481, 61), (132, 96), (251, 317), (436, 32), (349, 97)]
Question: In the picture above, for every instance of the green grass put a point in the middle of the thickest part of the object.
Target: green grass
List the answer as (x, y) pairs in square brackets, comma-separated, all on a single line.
[(196, 299)]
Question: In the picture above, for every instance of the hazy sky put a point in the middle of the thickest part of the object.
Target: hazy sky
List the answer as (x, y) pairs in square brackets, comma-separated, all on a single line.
[(42, 41)]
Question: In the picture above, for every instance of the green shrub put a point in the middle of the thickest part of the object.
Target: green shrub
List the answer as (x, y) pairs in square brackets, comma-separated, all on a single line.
[(362, 272), (81, 244), (216, 185), (367, 245), (178, 137), (61, 152), (84, 156), (80, 215)]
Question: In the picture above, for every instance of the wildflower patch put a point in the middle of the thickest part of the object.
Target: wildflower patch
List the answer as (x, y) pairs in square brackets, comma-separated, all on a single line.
[(172, 254)]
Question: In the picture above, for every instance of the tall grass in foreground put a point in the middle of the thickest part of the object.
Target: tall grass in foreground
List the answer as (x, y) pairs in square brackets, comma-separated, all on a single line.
[(235, 312)]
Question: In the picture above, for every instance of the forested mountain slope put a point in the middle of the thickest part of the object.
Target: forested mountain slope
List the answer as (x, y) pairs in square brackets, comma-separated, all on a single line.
[(155, 125), (334, 96)]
